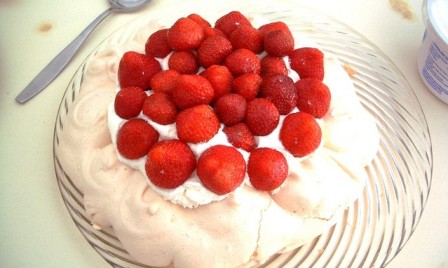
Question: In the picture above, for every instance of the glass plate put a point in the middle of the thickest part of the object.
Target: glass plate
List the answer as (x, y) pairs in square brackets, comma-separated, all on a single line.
[(378, 225)]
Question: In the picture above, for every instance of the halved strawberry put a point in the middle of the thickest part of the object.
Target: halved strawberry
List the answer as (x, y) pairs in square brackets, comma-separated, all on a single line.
[(247, 37), (272, 65), (267, 169), (213, 50), (170, 163), (221, 169), (157, 44), (314, 97), (300, 134), (191, 90), (262, 116), (136, 70), (247, 85), (197, 124), (135, 138), (308, 62), (160, 108), (242, 61), (129, 102), (231, 21), (184, 62), (164, 81), (240, 136), (185, 34), (220, 78), (231, 109), (279, 89)]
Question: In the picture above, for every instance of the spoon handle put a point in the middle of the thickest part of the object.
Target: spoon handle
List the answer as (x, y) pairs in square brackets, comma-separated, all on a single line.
[(54, 68)]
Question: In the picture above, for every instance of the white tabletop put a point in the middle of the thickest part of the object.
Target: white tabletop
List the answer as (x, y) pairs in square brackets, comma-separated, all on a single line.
[(35, 227)]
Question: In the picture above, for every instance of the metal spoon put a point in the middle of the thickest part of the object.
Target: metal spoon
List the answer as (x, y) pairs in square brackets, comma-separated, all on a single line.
[(52, 70)]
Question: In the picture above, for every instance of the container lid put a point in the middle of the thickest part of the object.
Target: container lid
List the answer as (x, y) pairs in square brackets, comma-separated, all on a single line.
[(437, 14)]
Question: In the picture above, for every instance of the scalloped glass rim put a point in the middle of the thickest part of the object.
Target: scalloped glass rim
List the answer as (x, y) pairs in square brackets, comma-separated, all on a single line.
[(377, 226)]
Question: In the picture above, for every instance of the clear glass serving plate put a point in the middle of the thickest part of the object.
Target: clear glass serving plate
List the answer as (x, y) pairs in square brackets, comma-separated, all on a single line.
[(378, 225)]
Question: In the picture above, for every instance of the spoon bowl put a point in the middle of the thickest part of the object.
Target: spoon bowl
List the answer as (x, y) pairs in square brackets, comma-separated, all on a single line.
[(54, 68)]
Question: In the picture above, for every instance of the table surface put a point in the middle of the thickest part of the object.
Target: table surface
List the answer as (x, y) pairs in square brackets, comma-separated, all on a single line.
[(35, 227)]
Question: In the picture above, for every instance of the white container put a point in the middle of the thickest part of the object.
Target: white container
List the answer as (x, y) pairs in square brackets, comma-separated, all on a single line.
[(433, 54)]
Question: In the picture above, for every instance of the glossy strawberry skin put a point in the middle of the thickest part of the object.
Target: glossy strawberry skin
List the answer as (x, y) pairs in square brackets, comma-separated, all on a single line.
[(262, 116), (314, 97), (231, 109), (221, 169), (281, 90), (197, 124), (160, 108), (267, 169), (191, 90), (240, 136), (129, 101), (135, 138), (185, 34), (242, 61), (137, 69), (308, 62)]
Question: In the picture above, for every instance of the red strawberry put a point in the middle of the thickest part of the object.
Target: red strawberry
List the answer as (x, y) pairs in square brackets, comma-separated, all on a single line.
[(160, 108), (199, 20), (280, 89), (242, 61), (231, 109), (220, 78), (170, 163), (213, 50), (137, 70), (197, 124), (184, 62), (272, 26), (247, 85), (272, 65), (267, 169), (209, 31), (164, 81), (308, 62), (191, 90), (240, 136), (262, 116), (221, 169), (278, 43), (247, 37), (135, 138), (129, 102), (157, 44), (300, 134), (185, 34), (314, 97), (231, 21)]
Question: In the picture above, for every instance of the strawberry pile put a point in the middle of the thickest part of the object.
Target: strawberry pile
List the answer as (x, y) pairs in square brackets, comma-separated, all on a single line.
[(230, 77)]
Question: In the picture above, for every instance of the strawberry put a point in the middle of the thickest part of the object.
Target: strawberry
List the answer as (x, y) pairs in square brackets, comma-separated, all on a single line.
[(160, 108), (231, 21), (273, 26), (129, 102), (221, 169), (240, 136), (135, 138), (213, 50), (185, 34), (247, 37), (157, 44), (314, 97), (184, 62), (191, 90), (247, 85), (164, 81), (231, 109), (210, 31), (308, 62), (169, 163), (199, 20), (242, 61), (262, 116), (137, 69), (220, 78), (278, 43), (280, 89), (197, 124), (272, 65), (300, 134), (267, 169)]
